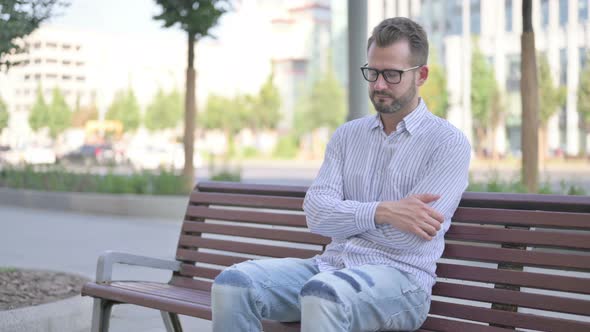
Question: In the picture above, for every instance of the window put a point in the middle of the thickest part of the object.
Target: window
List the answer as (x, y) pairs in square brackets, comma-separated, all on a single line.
[(66, 62), (37, 61), (66, 77), (27, 77), (475, 19), (66, 46), (51, 45), (37, 45), (563, 66), (51, 61), (51, 76), (37, 76), (563, 12), (583, 57), (582, 11), (80, 78), (79, 63), (544, 13), (454, 12), (508, 16), (513, 72)]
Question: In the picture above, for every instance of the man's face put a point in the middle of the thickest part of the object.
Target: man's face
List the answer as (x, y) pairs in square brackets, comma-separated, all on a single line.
[(388, 97)]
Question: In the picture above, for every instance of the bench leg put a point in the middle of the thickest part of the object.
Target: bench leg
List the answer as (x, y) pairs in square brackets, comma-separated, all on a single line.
[(171, 321), (101, 314)]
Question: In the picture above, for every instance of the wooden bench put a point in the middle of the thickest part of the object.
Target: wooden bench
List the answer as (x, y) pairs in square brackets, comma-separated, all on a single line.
[(511, 260)]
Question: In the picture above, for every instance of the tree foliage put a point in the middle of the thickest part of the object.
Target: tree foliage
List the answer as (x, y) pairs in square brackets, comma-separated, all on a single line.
[(266, 113), (483, 88), (165, 111), (325, 106), (256, 112), (196, 17), (55, 116), (4, 115), (39, 115), (60, 115), (584, 94), (18, 18), (125, 109), (434, 91), (225, 113), (550, 96)]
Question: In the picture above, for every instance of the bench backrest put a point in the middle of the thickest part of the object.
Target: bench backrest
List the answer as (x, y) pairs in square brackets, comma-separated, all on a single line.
[(511, 260)]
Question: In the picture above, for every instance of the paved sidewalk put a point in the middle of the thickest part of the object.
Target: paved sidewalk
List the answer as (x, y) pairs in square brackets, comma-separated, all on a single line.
[(71, 242)]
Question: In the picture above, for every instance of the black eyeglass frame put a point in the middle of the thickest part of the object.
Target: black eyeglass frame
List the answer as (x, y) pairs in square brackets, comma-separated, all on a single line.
[(382, 73)]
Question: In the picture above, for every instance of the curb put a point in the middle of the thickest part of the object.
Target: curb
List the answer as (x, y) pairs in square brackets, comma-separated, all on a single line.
[(73, 314), (150, 206)]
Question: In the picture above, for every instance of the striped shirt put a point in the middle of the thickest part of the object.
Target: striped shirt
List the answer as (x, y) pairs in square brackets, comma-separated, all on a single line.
[(362, 167)]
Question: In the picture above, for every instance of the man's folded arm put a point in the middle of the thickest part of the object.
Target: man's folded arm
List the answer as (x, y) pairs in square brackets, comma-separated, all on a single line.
[(327, 212)]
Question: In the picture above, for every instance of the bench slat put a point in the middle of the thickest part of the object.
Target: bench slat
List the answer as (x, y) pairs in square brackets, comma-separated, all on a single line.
[(526, 257), (275, 218), (528, 300), (447, 325), (519, 278), (522, 320), (570, 220), (150, 300), (188, 270), (246, 248), (251, 188), (256, 201), (529, 237), (187, 282), (209, 258), (165, 290), (255, 232)]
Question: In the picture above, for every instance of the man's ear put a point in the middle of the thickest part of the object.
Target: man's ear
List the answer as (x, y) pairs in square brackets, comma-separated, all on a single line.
[(422, 75)]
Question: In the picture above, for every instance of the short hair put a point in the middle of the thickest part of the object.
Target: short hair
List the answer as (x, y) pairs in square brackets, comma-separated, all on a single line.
[(395, 29)]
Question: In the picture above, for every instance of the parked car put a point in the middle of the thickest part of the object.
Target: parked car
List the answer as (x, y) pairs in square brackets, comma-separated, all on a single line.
[(29, 154), (167, 156), (37, 155), (89, 154)]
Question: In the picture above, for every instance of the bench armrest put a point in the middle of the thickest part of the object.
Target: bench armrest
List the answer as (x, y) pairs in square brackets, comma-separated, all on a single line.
[(104, 267)]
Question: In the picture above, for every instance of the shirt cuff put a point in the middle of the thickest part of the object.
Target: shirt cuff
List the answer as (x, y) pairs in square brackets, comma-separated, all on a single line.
[(364, 216)]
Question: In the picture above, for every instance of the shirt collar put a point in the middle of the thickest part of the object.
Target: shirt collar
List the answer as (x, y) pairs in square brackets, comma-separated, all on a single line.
[(410, 122)]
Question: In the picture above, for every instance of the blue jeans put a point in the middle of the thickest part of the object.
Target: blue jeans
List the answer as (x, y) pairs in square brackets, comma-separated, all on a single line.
[(363, 298)]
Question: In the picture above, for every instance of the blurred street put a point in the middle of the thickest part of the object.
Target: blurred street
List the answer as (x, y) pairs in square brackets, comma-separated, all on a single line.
[(71, 242)]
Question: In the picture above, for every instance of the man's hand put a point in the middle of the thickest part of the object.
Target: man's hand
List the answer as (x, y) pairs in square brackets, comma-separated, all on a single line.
[(411, 214)]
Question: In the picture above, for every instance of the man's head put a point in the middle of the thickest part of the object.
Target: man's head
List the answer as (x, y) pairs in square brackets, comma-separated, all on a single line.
[(398, 49)]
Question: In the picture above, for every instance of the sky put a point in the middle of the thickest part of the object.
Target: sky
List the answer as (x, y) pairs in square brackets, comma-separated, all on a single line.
[(114, 16)]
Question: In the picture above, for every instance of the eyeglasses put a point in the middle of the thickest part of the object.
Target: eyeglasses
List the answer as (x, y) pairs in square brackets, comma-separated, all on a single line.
[(392, 76)]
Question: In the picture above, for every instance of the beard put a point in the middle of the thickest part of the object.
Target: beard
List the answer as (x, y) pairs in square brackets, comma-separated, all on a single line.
[(396, 105)]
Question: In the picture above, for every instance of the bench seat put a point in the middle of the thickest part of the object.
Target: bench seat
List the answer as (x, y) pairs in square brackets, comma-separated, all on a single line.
[(511, 261)]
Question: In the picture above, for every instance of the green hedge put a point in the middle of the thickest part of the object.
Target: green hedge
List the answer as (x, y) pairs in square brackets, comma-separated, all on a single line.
[(55, 178), (58, 179)]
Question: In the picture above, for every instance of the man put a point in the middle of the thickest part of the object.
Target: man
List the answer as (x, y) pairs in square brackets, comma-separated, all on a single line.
[(385, 194)]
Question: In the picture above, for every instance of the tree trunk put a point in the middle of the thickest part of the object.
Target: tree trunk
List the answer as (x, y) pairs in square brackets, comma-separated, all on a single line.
[(530, 102), (189, 115)]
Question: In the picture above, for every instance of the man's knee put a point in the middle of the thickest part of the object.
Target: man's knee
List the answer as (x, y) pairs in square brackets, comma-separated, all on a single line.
[(233, 276), (320, 289)]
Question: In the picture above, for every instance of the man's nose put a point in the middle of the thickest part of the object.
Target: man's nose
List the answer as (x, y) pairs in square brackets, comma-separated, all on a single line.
[(380, 83)]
